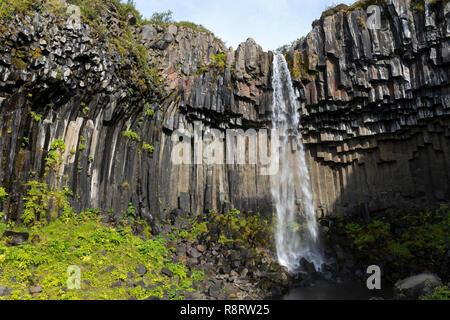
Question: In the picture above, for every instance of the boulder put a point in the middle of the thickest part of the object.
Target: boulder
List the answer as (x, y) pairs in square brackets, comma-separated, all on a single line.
[(416, 286), (35, 289), (141, 270), (17, 238)]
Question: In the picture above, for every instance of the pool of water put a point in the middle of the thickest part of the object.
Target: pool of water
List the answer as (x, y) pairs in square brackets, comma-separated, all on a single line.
[(348, 290)]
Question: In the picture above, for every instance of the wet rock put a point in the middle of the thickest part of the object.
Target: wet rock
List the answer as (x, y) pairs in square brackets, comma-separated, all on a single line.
[(194, 253), (214, 290), (416, 286), (139, 284), (167, 272), (17, 238), (108, 269), (307, 266)]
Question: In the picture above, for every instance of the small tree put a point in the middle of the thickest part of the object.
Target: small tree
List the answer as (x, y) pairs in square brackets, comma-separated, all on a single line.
[(162, 17)]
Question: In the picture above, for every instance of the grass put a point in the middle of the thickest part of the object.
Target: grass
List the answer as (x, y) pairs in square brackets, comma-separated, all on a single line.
[(83, 241)]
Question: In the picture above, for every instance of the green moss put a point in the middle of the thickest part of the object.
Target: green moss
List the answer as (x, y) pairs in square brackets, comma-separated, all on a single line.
[(83, 241)]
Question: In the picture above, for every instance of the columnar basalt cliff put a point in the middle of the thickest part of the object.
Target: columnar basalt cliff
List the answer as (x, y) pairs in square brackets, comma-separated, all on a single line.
[(376, 101), (62, 80), (374, 112)]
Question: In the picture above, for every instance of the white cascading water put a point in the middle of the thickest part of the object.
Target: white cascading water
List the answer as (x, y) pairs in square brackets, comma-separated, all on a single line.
[(296, 233)]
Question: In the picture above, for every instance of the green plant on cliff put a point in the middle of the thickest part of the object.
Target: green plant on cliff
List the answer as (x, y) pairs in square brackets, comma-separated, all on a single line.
[(148, 147), (3, 194), (220, 61), (244, 229), (36, 117), (42, 203), (131, 135), (54, 157)]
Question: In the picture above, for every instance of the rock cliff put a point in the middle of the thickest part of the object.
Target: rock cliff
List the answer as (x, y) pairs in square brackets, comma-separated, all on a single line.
[(374, 111), (376, 98)]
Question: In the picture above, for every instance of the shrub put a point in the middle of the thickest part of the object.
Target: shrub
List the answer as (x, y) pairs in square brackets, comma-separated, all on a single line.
[(148, 147), (220, 60), (162, 18), (3, 194), (131, 135)]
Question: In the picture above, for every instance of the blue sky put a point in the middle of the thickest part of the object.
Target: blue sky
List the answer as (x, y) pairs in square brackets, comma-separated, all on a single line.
[(271, 23)]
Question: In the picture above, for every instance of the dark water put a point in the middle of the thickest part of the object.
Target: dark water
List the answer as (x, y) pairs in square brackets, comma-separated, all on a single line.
[(348, 290)]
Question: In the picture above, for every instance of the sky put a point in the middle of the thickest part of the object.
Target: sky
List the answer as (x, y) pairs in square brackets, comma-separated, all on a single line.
[(271, 23)]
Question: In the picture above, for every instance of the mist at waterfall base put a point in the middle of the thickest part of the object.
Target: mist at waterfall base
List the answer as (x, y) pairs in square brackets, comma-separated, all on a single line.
[(296, 234)]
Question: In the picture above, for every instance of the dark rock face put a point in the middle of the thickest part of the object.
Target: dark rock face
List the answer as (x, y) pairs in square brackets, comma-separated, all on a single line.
[(17, 238), (80, 88), (375, 113)]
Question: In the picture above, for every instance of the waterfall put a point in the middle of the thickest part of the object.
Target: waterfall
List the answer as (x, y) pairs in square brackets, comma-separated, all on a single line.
[(296, 234)]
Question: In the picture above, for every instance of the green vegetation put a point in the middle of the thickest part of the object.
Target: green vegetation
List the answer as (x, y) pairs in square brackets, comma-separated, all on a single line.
[(8, 8), (131, 135), (425, 236), (162, 18), (104, 254), (219, 60), (43, 204), (165, 19), (247, 230), (191, 229), (201, 68), (298, 66), (36, 117), (148, 147), (440, 293), (3, 194), (149, 112), (54, 157)]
